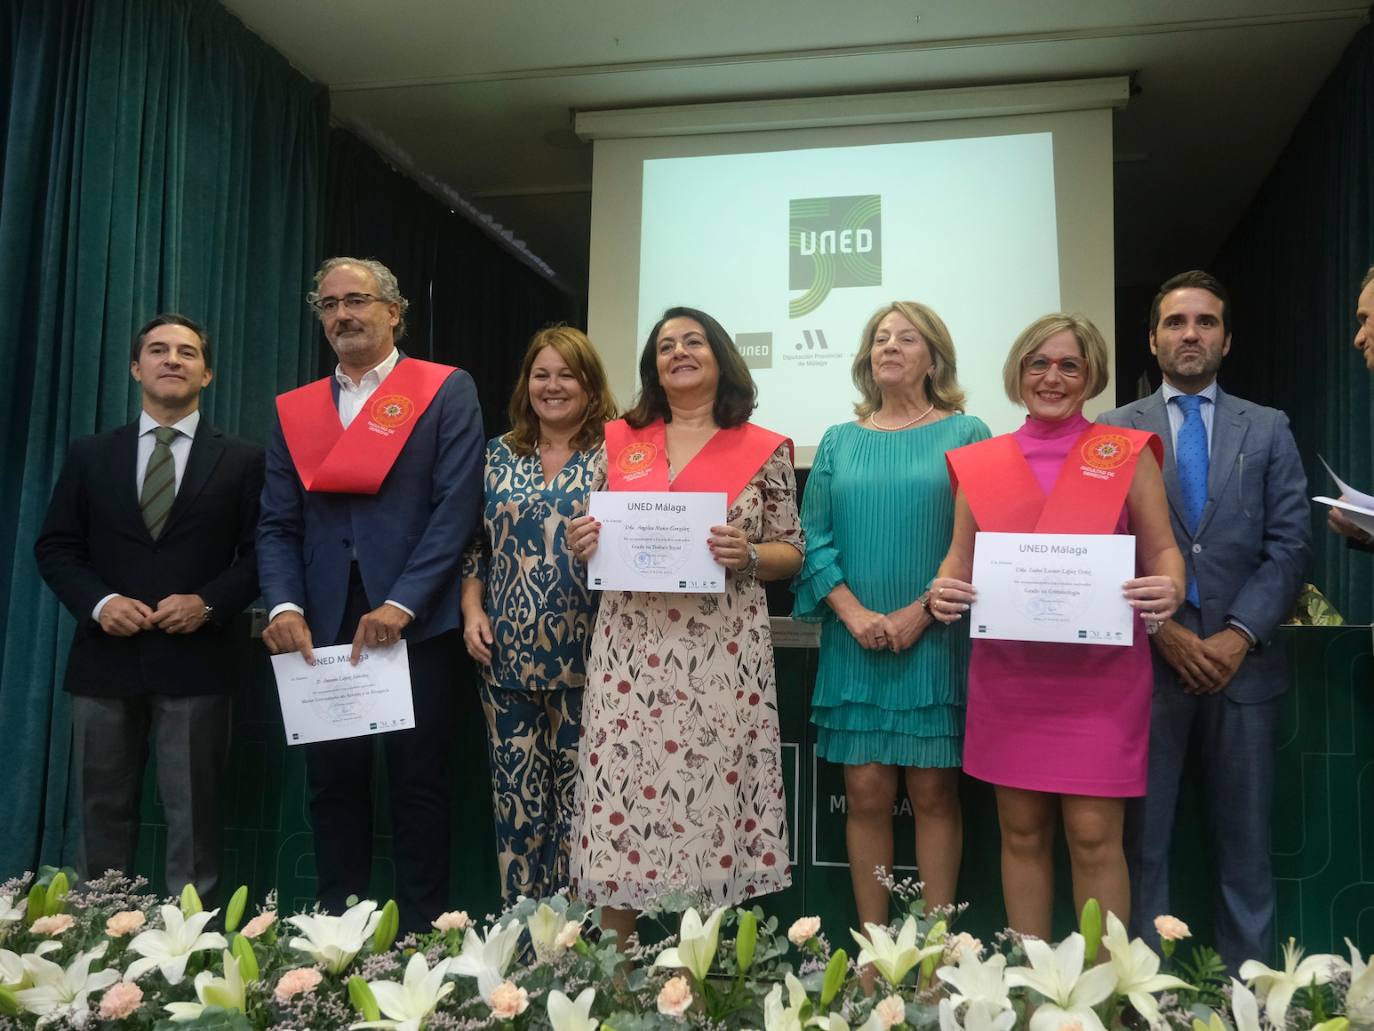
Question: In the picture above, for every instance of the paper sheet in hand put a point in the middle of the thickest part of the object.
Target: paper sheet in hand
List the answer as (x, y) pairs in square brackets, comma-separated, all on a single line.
[(1061, 587), (1357, 505), (656, 541), (335, 699)]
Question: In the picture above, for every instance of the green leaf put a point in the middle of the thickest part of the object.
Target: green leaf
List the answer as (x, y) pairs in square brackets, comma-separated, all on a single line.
[(1090, 924), (387, 926), (57, 891), (746, 940), (38, 900), (248, 959), (834, 977), (9, 1005), (234, 912), (212, 1018), (360, 995), (190, 901)]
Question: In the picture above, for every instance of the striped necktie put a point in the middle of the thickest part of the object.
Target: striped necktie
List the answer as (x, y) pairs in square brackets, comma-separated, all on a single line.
[(1190, 452), (159, 482)]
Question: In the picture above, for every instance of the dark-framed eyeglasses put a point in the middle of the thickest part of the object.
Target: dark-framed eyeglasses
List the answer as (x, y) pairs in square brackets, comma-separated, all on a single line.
[(350, 302), (1069, 368)]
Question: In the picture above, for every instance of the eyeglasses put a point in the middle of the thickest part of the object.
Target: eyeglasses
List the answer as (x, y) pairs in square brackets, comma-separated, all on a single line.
[(1069, 368), (351, 302)]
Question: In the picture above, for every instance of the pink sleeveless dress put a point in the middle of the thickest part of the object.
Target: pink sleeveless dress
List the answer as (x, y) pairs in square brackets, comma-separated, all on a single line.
[(1065, 718)]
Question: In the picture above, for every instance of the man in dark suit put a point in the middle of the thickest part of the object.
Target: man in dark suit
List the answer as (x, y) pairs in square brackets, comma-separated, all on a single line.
[(1238, 502), (374, 485), (1356, 537), (149, 542)]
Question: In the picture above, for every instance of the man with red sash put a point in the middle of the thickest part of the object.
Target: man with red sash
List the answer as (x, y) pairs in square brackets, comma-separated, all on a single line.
[(373, 485), (1238, 504)]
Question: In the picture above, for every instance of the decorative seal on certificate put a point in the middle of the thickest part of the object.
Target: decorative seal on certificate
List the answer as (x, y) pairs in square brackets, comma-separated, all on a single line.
[(636, 459), (1106, 451), (392, 411)]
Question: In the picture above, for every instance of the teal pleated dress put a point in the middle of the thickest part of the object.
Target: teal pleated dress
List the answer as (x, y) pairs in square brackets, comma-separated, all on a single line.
[(878, 515)]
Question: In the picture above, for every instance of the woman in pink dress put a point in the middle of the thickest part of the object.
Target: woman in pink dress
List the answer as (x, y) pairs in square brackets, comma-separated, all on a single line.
[(1062, 730)]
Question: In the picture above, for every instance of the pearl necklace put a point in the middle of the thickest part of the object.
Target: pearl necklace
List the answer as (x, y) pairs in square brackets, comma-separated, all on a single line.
[(873, 420)]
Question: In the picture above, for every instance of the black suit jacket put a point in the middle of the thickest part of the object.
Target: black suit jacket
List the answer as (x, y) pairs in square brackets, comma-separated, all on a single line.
[(94, 543)]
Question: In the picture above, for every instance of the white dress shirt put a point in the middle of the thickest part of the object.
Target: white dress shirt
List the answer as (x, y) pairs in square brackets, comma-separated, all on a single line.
[(352, 398), (181, 453)]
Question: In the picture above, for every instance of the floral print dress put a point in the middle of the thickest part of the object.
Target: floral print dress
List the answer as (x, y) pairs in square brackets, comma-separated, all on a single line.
[(679, 773)]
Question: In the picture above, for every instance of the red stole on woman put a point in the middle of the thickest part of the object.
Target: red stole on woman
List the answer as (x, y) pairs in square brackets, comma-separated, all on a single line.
[(1004, 495), (637, 459)]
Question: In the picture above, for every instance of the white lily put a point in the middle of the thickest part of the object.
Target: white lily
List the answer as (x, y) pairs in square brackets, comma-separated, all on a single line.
[(776, 1016), (544, 925), (171, 947), (572, 1014), (406, 1005), (487, 960), (12, 972), (335, 940), (1276, 987), (976, 981), (893, 960), (835, 1022), (11, 912), (1070, 991), (225, 992), (1359, 999), (980, 1016), (696, 947), (58, 993), (1137, 971)]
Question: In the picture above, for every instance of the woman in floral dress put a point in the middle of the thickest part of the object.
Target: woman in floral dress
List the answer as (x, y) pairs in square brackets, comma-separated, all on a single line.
[(679, 774), (527, 612)]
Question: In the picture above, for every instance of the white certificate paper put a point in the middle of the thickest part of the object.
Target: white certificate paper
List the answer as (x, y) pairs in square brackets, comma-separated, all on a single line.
[(1061, 587), (656, 541), (335, 699)]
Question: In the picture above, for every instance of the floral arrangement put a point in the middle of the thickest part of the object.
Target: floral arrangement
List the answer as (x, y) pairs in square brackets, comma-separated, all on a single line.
[(108, 955)]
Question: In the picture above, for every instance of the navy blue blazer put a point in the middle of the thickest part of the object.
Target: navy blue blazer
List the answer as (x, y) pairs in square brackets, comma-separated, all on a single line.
[(94, 543), (408, 537), (1252, 544)]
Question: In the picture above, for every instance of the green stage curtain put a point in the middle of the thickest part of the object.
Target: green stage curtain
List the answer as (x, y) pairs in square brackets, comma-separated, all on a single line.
[(156, 156), (1293, 266), (472, 303)]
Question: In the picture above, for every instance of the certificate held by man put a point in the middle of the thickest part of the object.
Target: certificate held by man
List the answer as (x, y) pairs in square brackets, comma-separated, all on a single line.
[(335, 699), (1062, 587), (656, 541)]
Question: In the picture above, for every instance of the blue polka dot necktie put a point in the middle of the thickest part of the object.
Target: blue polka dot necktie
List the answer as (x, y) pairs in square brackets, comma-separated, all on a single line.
[(1190, 451)]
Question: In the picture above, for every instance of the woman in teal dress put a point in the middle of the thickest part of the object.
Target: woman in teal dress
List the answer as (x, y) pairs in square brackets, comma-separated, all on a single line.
[(527, 613), (878, 514)]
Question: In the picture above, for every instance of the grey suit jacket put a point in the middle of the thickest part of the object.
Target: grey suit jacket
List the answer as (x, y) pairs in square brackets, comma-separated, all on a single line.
[(1251, 548)]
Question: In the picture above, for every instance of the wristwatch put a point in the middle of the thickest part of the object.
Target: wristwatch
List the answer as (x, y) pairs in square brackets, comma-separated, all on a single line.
[(751, 565), (207, 615), (924, 602)]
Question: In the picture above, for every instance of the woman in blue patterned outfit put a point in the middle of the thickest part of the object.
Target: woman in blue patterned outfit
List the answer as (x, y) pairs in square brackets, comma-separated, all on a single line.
[(526, 613)]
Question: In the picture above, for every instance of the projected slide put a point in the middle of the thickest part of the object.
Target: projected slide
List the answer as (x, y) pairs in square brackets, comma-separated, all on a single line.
[(793, 250)]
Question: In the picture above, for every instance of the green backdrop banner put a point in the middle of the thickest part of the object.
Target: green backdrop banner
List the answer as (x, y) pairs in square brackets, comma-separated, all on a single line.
[(156, 156)]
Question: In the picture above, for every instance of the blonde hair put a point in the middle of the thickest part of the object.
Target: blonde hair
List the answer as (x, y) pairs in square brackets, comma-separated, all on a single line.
[(942, 383), (1090, 344), (574, 348)]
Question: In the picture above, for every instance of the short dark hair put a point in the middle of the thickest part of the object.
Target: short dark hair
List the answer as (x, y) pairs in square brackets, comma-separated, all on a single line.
[(1368, 278), (736, 395), (1194, 279), (170, 318)]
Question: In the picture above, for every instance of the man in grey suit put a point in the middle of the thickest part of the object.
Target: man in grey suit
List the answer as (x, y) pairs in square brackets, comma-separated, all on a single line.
[(1238, 503)]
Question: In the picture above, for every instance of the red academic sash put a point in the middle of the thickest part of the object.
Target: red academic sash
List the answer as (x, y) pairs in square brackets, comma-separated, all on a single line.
[(1005, 496), (330, 459), (637, 459)]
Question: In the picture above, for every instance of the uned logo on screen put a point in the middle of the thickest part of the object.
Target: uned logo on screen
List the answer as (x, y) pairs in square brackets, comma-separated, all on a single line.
[(832, 242)]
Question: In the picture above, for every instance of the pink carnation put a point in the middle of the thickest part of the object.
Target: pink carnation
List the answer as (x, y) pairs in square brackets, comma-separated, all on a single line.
[(1171, 928), (891, 1011), (456, 921), (297, 981), (125, 922), (121, 1000), (508, 1001), (259, 923), (53, 924), (674, 997), (803, 929)]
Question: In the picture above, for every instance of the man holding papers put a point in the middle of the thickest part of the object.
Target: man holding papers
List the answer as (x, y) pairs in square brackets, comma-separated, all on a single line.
[(373, 486), (1356, 536), (1238, 504)]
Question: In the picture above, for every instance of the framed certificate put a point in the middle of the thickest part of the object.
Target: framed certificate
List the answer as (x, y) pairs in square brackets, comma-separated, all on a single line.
[(1060, 587), (656, 541)]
